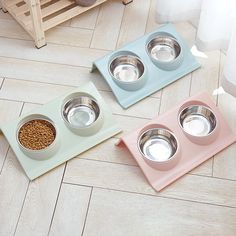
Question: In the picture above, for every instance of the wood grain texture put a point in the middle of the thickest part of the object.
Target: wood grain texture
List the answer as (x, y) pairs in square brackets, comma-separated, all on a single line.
[(69, 36), (12, 30), (5, 16), (110, 24), (4, 146), (72, 205), (13, 187), (117, 213), (39, 204), (9, 110), (225, 162), (152, 24), (134, 21), (175, 93), (111, 176), (129, 123), (116, 154), (151, 106), (1, 81), (50, 73), (52, 53), (31, 91), (204, 169), (207, 77), (87, 20), (188, 32)]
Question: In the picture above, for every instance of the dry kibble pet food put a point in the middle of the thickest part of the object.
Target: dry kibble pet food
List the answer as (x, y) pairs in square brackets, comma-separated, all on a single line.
[(37, 134)]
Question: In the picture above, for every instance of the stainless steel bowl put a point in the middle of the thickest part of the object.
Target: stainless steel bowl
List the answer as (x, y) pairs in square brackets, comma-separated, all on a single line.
[(80, 112), (197, 120), (41, 154), (163, 48), (126, 68), (49, 122), (157, 145)]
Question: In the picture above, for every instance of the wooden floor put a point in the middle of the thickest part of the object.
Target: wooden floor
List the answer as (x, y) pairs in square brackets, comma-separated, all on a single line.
[(103, 192)]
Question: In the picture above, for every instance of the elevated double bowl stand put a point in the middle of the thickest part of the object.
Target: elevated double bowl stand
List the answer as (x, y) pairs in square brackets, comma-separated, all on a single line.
[(38, 16)]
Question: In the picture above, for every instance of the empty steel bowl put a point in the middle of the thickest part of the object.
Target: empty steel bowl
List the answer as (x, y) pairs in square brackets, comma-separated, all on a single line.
[(81, 113), (197, 120), (165, 51), (127, 70), (199, 124), (158, 146)]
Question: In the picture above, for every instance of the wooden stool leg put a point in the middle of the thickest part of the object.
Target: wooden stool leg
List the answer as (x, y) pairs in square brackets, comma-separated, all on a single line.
[(4, 10), (125, 2), (36, 17), (2, 6)]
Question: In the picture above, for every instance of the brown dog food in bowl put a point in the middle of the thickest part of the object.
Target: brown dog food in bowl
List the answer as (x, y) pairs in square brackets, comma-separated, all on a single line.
[(37, 134)]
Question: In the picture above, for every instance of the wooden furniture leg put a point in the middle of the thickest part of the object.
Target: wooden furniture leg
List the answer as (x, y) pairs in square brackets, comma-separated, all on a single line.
[(2, 6), (34, 23), (36, 16), (4, 10), (125, 2)]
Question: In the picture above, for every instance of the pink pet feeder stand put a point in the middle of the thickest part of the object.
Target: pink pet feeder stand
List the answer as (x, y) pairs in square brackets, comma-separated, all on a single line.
[(179, 140)]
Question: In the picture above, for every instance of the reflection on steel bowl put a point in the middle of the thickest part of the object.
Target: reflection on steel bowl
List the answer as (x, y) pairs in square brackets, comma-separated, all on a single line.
[(197, 120)]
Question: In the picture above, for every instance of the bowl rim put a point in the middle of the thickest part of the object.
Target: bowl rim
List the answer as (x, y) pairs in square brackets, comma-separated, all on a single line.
[(196, 105), (153, 161), (20, 125), (65, 101), (166, 35), (133, 55)]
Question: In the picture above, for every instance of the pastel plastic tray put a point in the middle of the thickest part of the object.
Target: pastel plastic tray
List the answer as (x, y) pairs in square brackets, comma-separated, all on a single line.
[(191, 154), (157, 78), (70, 143)]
